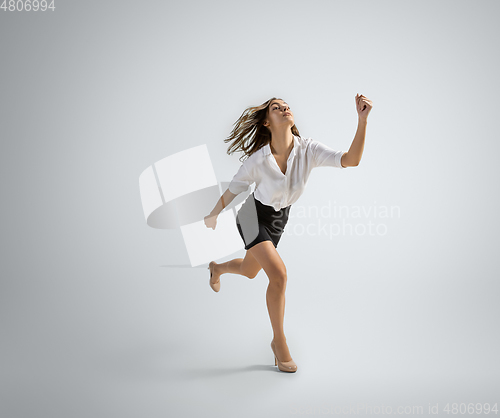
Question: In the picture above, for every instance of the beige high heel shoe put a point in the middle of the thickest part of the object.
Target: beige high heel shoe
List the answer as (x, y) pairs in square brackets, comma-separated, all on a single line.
[(285, 366), (215, 286)]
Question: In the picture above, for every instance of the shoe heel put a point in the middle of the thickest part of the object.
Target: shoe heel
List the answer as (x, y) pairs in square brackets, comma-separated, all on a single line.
[(287, 366), (215, 286)]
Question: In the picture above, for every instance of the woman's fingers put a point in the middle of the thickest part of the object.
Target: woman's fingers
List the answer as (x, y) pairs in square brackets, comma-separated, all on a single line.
[(362, 103)]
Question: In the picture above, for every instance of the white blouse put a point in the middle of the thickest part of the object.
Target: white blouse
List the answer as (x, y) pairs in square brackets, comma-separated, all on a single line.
[(272, 187)]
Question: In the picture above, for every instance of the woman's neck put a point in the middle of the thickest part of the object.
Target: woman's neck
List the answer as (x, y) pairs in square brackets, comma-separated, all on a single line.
[(282, 144)]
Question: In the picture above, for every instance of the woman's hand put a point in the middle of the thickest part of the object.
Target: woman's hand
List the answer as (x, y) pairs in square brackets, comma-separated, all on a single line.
[(363, 106), (211, 221)]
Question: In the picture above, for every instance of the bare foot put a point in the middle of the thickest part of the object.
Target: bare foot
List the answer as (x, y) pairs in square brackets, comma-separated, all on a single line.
[(282, 349)]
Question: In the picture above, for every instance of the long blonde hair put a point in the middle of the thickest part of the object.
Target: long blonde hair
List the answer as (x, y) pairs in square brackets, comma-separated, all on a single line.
[(249, 134)]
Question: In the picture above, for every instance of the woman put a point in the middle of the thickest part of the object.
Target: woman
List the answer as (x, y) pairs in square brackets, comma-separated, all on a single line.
[(279, 163)]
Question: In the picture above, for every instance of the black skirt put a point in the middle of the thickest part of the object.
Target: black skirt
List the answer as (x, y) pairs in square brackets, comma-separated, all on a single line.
[(258, 222)]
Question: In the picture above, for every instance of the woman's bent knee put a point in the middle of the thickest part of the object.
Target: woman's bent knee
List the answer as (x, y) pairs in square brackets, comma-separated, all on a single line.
[(278, 279), (251, 275)]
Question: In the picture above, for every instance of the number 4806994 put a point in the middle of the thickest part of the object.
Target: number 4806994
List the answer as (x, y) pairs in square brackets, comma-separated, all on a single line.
[(26, 5)]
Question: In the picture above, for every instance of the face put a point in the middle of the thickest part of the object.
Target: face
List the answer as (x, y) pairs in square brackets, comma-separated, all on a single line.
[(279, 115)]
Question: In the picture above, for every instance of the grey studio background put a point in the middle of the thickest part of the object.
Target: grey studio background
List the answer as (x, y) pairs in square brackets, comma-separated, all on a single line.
[(100, 315)]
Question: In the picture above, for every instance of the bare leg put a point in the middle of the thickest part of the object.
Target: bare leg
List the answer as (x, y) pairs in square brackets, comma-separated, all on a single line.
[(266, 254), (248, 267), (231, 266)]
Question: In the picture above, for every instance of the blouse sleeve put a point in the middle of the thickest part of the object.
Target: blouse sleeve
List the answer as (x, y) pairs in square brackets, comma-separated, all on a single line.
[(241, 181), (324, 156)]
